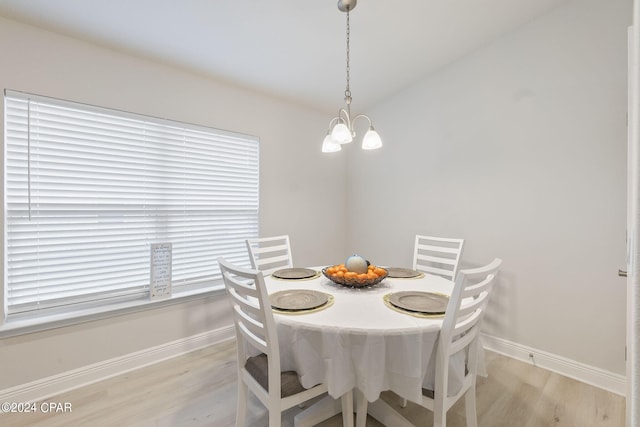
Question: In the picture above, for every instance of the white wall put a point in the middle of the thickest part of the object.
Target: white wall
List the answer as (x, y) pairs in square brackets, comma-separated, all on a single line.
[(293, 172), (520, 148)]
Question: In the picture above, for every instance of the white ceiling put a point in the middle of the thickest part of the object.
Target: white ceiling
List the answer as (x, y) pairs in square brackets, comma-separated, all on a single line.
[(290, 48)]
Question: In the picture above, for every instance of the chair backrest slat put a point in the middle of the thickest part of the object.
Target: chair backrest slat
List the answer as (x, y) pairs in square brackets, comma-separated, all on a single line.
[(434, 270), (269, 254), (247, 321), (256, 341), (281, 261), (464, 341), (463, 327), (437, 255), (438, 249), (271, 248)]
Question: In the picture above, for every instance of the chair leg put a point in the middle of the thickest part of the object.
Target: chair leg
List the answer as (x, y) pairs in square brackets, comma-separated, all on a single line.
[(470, 407), (275, 417), (320, 411), (242, 405), (347, 409), (439, 417), (361, 409)]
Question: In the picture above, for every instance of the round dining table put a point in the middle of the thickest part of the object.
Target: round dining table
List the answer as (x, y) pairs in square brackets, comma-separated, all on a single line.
[(358, 341)]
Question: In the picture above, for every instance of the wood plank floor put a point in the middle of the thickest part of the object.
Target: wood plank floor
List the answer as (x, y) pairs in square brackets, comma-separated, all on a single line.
[(199, 389)]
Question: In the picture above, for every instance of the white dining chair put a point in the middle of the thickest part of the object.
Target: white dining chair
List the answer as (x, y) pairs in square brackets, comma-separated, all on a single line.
[(269, 254), (459, 333), (437, 255), (255, 329)]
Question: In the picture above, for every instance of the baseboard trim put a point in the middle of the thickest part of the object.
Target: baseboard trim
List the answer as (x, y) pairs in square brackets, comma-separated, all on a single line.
[(596, 377), (70, 380)]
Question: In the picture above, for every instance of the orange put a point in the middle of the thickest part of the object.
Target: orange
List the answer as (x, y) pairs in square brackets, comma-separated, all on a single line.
[(380, 271)]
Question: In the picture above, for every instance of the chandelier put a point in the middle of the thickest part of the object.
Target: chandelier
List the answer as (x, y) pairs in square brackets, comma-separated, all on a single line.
[(341, 128)]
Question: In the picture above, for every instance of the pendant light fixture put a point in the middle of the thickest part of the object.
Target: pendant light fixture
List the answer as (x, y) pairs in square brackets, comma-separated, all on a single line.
[(341, 128)]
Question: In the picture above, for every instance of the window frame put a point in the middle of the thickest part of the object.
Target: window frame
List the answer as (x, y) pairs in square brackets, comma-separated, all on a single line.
[(11, 325)]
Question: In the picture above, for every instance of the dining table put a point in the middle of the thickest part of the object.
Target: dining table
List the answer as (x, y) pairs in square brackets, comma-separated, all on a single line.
[(357, 340)]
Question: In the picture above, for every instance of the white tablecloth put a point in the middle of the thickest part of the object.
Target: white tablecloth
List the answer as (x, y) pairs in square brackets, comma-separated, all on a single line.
[(359, 342)]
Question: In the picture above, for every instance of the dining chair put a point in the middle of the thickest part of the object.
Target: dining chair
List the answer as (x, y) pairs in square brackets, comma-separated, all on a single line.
[(269, 254), (256, 334), (437, 255), (459, 333)]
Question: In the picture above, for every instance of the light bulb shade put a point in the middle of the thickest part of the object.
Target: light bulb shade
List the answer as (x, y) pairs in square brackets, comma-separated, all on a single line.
[(329, 145), (371, 140), (341, 134)]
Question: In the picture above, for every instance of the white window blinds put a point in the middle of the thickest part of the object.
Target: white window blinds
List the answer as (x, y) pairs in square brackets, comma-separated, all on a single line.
[(87, 190)]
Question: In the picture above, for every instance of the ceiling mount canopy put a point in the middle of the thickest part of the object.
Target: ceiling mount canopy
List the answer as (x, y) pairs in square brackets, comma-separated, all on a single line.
[(347, 5), (341, 128)]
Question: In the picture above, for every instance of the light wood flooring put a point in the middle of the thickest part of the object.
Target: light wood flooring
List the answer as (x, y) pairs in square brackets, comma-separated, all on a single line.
[(199, 389)]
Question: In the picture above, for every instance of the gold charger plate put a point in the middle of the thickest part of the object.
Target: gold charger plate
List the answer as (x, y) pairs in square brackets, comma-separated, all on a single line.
[(424, 304), (410, 313), (298, 300), (328, 304), (420, 301), (403, 273), (295, 273)]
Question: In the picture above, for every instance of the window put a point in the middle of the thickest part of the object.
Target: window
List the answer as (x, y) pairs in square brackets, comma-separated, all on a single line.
[(88, 190)]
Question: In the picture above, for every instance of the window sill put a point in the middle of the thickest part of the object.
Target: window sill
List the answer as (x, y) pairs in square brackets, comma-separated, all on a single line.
[(23, 326)]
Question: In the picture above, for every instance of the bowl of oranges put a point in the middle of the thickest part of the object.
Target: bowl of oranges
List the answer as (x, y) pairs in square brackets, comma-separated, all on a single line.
[(368, 275)]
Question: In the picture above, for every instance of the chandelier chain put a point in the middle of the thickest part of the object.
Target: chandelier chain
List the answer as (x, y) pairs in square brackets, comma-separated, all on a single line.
[(347, 92)]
